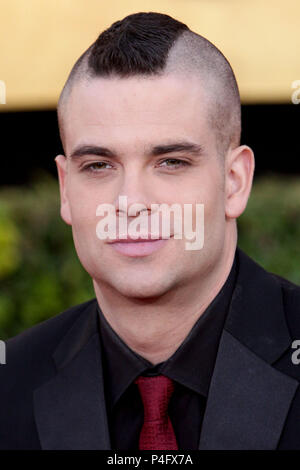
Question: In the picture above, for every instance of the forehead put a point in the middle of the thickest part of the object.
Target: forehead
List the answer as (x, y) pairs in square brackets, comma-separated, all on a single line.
[(136, 109)]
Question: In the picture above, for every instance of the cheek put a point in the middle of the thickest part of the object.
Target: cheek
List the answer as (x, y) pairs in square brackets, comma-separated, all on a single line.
[(87, 244), (83, 200), (83, 211), (214, 222), (212, 196)]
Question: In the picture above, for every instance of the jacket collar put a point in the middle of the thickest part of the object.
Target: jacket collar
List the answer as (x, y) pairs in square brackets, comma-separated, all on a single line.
[(256, 316), (249, 399), (70, 409)]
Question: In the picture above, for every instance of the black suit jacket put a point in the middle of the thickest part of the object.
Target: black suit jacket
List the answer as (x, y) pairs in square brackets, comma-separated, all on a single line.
[(52, 394)]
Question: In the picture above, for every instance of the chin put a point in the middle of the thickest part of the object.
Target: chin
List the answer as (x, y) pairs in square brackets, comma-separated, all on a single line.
[(142, 288)]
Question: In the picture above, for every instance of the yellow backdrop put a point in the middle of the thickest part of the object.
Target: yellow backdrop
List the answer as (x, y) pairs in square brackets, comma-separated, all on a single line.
[(41, 39)]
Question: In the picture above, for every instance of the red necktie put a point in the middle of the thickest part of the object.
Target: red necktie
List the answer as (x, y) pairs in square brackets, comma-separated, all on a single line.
[(157, 432)]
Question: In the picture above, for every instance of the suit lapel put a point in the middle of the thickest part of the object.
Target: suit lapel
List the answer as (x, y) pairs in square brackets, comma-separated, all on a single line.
[(248, 399), (247, 403), (70, 409)]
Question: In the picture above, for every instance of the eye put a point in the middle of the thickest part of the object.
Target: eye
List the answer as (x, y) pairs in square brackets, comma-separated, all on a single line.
[(96, 166), (173, 163)]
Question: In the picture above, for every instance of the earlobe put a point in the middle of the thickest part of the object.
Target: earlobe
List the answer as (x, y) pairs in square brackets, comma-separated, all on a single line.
[(61, 164), (239, 176)]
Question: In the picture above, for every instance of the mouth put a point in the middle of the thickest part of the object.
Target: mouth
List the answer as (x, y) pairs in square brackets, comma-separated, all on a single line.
[(138, 247)]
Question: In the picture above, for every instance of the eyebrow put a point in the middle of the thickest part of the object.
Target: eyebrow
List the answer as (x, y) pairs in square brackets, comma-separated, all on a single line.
[(190, 147), (155, 151)]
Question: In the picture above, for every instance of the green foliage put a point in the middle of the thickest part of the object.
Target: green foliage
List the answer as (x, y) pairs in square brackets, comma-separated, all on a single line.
[(40, 273), (269, 229)]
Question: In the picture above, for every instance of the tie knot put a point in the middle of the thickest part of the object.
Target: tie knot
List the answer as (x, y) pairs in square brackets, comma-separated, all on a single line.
[(155, 392)]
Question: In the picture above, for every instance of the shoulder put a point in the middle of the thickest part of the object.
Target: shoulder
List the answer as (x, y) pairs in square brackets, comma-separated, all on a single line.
[(290, 292), (29, 364), (253, 271), (34, 347), (291, 303), (267, 291)]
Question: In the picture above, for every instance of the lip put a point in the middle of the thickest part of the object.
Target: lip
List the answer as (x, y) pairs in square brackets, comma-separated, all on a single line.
[(138, 247), (129, 239)]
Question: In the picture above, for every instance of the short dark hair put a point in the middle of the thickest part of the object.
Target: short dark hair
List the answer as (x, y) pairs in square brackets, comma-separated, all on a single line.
[(152, 43), (138, 44)]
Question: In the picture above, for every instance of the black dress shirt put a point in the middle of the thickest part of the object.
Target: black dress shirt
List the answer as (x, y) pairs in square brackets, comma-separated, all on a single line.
[(191, 367)]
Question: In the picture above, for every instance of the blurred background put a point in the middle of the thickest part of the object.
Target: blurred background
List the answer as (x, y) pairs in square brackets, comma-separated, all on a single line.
[(40, 274)]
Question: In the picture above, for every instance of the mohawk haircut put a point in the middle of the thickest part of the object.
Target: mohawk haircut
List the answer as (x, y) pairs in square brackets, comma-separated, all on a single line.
[(149, 44)]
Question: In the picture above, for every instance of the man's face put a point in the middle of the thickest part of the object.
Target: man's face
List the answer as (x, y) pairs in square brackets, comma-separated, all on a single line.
[(131, 118)]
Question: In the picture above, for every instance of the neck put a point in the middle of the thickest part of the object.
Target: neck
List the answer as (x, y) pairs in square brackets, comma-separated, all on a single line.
[(145, 332)]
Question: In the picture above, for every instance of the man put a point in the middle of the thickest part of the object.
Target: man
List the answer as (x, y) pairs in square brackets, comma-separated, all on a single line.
[(181, 348)]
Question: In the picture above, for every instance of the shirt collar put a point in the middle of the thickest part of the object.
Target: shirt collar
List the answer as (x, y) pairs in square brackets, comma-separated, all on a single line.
[(121, 364), (191, 364)]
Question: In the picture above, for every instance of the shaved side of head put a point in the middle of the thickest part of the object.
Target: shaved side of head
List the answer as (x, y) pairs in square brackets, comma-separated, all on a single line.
[(193, 54), (153, 44)]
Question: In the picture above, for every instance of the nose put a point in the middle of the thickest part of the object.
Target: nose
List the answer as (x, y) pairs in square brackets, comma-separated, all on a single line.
[(134, 194)]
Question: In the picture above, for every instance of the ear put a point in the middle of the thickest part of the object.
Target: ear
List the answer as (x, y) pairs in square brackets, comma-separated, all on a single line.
[(238, 180), (65, 212)]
